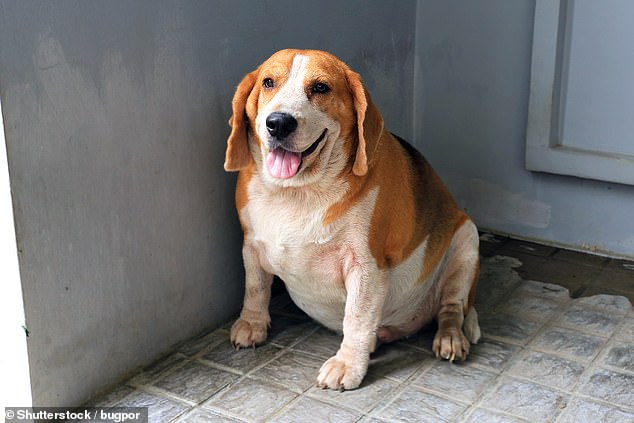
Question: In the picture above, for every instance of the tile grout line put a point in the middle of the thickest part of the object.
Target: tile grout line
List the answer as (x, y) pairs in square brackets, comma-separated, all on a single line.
[(218, 366), (400, 388), (247, 376), (477, 403), (167, 371), (286, 407), (218, 411), (161, 393), (497, 380), (464, 416), (595, 365), (226, 413), (149, 388)]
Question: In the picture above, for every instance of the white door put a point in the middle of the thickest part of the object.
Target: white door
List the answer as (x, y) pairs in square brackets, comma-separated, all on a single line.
[(581, 108)]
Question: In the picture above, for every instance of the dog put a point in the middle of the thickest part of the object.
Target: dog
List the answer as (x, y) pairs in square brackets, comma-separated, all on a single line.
[(363, 232)]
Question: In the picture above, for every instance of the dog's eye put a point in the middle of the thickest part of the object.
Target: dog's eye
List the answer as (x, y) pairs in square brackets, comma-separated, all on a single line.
[(320, 88), (268, 83)]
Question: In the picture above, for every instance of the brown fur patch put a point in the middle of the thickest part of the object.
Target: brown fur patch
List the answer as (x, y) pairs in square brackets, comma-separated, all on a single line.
[(412, 204), (242, 194)]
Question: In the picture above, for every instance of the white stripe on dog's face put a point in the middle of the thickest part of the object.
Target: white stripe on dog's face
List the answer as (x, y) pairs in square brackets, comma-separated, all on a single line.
[(292, 98)]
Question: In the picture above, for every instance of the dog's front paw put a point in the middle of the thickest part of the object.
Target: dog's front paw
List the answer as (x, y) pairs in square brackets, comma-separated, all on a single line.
[(340, 374), (248, 333), (450, 344)]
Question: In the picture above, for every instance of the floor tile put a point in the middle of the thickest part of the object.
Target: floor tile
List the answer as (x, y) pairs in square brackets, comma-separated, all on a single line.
[(492, 354), (526, 400), (481, 415), (311, 410), (536, 308), (550, 291), (415, 406), (548, 369), (512, 327), (611, 303), (579, 411), (200, 343), (575, 344), (252, 399), (160, 409), (363, 399), (242, 360), (202, 415), (195, 381), (155, 370), (397, 361), (370, 419), (113, 397), (589, 320), (323, 344), (620, 355), (294, 370), (286, 330), (459, 380), (610, 386), (625, 331)]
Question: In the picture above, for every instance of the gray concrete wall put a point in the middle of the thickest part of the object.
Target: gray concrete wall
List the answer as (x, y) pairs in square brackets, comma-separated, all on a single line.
[(473, 63), (115, 120)]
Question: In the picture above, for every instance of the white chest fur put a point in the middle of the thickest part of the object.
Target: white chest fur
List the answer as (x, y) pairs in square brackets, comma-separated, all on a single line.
[(312, 258)]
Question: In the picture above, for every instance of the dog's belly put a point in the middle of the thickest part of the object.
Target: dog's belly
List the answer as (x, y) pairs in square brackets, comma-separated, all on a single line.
[(314, 277), (411, 303)]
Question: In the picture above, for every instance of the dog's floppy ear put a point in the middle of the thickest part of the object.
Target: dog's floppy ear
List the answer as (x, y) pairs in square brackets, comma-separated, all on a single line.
[(238, 155), (369, 123)]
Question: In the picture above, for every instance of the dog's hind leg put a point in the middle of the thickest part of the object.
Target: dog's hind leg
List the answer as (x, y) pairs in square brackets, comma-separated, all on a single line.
[(457, 291)]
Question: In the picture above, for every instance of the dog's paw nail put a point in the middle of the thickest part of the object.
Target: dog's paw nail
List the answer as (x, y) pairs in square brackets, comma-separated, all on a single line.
[(339, 375), (246, 334)]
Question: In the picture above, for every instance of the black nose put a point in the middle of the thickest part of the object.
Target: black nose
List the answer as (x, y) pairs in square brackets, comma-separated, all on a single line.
[(280, 125)]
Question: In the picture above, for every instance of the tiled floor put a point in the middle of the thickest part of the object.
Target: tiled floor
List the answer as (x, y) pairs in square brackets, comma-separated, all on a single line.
[(544, 357)]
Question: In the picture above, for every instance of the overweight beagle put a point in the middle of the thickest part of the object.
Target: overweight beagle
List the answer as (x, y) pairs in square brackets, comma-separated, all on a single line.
[(353, 219)]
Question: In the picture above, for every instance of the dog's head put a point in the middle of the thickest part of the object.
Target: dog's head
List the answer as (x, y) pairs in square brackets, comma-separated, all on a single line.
[(300, 114)]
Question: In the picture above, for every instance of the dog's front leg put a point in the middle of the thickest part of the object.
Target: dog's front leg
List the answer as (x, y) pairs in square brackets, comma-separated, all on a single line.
[(365, 295), (252, 327)]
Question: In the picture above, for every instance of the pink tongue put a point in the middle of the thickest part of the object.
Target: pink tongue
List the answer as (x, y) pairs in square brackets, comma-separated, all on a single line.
[(283, 164)]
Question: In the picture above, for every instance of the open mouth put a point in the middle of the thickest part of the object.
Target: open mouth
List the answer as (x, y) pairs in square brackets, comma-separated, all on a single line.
[(314, 145), (284, 164)]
